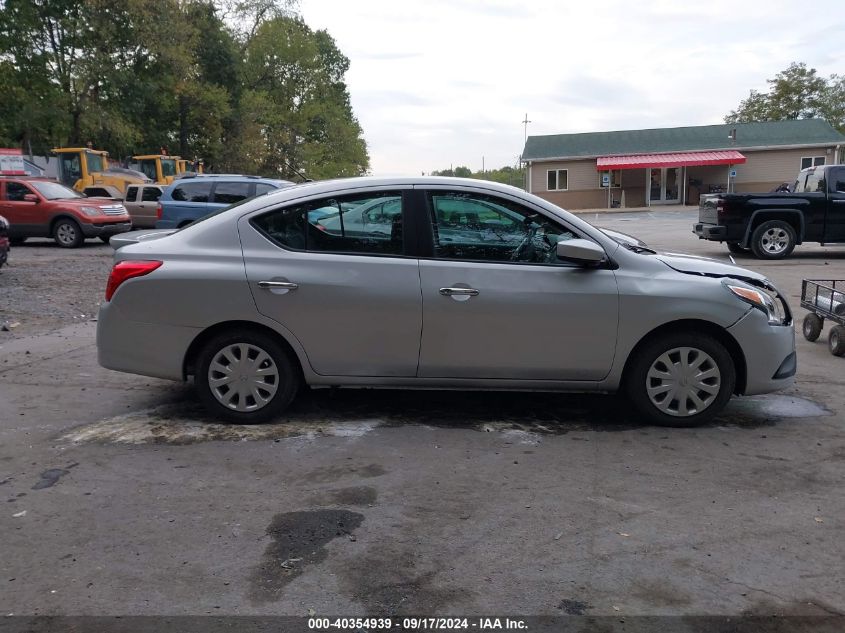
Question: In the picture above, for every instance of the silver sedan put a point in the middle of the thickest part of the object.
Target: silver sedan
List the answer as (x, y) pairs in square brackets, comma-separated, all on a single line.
[(463, 285)]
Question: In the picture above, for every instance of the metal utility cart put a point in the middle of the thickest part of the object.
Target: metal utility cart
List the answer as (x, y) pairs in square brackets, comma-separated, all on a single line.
[(825, 299)]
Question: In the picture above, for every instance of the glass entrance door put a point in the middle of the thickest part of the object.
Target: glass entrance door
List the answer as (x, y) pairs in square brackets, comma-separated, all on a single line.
[(664, 185)]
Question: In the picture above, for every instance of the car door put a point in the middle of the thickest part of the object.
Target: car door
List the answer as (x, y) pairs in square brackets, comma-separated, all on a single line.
[(498, 304), (27, 218), (835, 214), (352, 301), (147, 206)]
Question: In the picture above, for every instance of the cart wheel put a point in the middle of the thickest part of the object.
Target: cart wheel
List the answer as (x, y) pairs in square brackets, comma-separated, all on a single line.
[(813, 324), (836, 340)]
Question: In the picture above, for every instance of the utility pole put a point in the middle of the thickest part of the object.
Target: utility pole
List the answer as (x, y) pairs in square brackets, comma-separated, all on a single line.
[(482, 165), (525, 123)]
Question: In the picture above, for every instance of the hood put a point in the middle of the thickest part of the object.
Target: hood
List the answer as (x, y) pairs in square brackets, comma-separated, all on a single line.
[(133, 237), (706, 267)]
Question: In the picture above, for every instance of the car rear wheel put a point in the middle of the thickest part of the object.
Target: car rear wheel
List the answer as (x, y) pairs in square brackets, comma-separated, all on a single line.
[(246, 377), (67, 233), (681, 379), (774, 239)]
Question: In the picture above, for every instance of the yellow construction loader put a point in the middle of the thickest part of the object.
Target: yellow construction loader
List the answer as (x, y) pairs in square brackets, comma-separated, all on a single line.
[(160, 168), (88, 171)]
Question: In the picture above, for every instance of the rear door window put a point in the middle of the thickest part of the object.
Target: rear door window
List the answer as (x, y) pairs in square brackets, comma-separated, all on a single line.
[(192, 192), (231, 192), (366, 224), (151, 194)]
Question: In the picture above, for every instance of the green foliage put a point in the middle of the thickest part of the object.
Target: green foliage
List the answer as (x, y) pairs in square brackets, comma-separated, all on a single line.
[(795, 93), (506, 175), (244, 84)]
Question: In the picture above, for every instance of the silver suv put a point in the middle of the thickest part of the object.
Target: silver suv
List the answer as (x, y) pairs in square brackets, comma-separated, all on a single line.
[(436, 283)]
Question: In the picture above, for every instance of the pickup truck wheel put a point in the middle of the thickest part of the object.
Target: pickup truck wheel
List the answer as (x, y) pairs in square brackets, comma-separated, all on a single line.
[(812, 327), (67, 233), (836, 340), (682, 379), (734, 247), (774, 239)]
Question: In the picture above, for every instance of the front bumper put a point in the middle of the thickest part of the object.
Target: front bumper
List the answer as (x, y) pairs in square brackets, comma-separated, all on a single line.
[(769, 351), (98, 229), (714, 232)]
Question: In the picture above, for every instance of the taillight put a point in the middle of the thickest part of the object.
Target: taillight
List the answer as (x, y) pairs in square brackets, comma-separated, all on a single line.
[(159, 211), (127, 270)]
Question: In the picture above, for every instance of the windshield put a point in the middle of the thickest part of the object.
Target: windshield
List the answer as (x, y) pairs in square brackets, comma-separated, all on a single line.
[(96, 162), (55, 191), (168, 166)]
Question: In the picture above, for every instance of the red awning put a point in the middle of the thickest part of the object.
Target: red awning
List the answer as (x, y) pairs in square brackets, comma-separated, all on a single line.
[(676, 159)]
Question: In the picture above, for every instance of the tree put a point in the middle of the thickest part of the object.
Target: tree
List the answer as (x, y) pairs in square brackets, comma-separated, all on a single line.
[(506, 175), (795, 93)]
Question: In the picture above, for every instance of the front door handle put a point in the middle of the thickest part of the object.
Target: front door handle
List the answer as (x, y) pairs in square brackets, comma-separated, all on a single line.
[(450, 292), (287, 285)]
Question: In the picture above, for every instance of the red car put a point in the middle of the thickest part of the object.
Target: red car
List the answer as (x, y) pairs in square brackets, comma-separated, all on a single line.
[(4, 240), (40, 207)]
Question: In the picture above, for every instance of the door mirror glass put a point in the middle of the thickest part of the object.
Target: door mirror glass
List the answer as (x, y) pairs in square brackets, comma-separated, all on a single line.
[(30, 197), (580, 251)]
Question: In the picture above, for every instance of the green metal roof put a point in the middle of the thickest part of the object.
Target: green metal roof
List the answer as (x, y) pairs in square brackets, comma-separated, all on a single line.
[(682, 139)]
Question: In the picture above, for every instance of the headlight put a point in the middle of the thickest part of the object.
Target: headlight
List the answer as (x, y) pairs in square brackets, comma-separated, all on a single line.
[(762, 299), (90, 210)]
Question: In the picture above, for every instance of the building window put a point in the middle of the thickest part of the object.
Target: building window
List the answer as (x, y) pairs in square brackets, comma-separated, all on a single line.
[(614, 178), (557, 179), (811, 161)]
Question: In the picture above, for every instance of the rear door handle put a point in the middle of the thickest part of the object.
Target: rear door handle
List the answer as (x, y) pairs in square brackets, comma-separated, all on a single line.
[(287, 285), (449, 292)]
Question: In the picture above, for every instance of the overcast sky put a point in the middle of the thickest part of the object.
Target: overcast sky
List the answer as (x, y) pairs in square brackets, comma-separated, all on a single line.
[(447, 82)]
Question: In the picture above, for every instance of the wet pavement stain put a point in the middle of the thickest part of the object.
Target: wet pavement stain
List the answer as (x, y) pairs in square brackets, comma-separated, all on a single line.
[(522, 418), (573, 607), (299, 540), (50, 478), (328, 474)]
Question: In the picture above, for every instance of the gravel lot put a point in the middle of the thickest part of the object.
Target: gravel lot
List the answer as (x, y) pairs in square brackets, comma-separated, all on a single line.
[(121, 497), (45, 287)]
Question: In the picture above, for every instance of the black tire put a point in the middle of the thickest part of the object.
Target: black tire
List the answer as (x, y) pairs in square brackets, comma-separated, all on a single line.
[(17, 241), (774, 239), (287, 381), (105, 238), (812, 327), (735, 248), (67, 233), (836, 340), (648, 355)]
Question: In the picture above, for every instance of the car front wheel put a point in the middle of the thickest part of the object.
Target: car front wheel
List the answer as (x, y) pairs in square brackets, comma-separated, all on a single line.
[(68, 234), (245, 377), (681, 379)]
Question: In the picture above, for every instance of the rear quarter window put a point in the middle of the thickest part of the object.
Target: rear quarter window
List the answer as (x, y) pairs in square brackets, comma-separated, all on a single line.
[(192, 192)]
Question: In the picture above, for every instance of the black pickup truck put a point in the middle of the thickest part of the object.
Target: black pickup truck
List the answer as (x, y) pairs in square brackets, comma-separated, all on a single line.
[(770, 225)]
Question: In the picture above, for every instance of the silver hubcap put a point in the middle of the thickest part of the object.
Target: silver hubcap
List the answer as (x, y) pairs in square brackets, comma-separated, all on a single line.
[(775, 240), (66, 233), (683, 381), (243, 377)]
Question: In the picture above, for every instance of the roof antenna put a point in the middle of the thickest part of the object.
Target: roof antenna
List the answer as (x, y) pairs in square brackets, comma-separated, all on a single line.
[(296, 171)]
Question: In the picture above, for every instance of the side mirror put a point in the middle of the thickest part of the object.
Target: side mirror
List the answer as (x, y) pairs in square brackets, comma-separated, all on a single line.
[(30, 197), (582, 252)]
